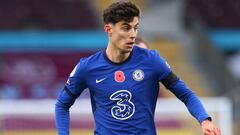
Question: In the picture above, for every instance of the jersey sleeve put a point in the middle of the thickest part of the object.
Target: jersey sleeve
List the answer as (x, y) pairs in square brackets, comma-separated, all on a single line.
[(191, 101), (76, 81), (66, 98), (167, 77), (160, 66)]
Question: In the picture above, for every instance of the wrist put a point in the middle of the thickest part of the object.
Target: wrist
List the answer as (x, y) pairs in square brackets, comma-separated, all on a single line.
[(209, 119)]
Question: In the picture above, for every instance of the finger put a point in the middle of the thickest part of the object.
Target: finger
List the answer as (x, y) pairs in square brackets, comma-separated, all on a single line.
[(211, 131), (207, 132), (217, 130), (214, 133)]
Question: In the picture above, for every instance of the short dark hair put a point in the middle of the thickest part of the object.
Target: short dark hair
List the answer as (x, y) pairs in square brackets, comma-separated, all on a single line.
[(120, 11)]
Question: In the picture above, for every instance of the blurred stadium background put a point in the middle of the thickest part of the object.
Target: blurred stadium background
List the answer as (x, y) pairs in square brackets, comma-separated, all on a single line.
[(41, 42)]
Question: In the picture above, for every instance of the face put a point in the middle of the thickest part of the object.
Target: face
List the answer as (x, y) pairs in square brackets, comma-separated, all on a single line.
[(122, 35)]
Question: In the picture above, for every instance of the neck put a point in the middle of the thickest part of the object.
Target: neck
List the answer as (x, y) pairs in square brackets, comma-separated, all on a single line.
[(115, 54)]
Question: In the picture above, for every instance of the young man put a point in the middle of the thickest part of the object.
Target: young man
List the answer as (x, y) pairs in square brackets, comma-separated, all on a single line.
[(123, 82)]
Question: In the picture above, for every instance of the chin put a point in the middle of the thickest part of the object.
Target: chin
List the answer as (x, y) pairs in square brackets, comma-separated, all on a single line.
[(127, 50)]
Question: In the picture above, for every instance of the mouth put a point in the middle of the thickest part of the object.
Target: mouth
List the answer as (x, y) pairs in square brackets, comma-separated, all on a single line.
[(130, 43)]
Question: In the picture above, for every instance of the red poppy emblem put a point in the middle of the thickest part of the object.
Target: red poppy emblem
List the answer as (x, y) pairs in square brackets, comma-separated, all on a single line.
[(119, 76)]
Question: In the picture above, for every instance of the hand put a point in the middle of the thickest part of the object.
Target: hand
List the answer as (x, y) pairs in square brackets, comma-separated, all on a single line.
[(209, 128)]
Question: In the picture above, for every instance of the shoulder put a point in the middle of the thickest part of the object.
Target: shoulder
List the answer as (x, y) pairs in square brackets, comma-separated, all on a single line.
[(152, 54), (86, 61)]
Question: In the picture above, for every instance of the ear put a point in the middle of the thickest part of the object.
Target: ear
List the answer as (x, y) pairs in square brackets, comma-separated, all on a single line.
[(107, 28)]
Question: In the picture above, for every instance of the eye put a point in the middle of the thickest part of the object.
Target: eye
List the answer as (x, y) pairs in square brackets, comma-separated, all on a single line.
[(126, 28), (136, 28)]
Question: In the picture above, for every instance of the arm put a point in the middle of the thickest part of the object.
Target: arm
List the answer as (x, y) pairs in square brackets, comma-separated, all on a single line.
[(181, 91), (192, 102), (66, 98), (64, 102)]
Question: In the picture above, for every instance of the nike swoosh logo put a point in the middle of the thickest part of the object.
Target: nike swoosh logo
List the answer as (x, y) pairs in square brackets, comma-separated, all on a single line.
[(98, 81)]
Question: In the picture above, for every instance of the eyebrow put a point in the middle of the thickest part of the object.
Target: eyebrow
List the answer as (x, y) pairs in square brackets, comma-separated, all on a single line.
[(127, 24)]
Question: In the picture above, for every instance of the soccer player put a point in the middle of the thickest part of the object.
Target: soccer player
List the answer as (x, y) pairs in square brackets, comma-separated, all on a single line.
[(141, 43), (123, 82)]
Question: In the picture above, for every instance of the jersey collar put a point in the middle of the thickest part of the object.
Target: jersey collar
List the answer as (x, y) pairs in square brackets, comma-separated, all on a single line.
[(115, 63)]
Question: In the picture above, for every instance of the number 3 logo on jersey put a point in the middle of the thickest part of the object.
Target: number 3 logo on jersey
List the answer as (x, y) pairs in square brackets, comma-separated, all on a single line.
[(124, 108)]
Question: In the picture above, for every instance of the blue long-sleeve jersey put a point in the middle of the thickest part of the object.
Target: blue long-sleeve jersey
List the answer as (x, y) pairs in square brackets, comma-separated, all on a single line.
[(123, 95)]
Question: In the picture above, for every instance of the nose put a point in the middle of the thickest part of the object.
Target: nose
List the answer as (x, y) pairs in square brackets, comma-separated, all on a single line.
[(133, 33)]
